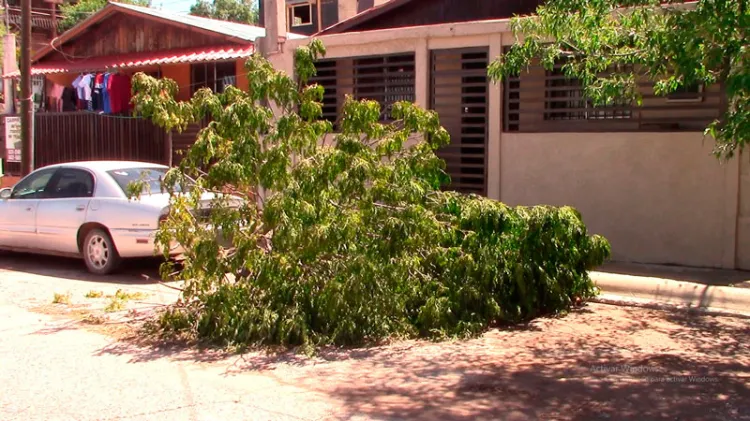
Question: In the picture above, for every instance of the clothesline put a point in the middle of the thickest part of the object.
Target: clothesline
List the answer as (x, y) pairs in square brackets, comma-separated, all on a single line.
[(105, 93), (225, 79)]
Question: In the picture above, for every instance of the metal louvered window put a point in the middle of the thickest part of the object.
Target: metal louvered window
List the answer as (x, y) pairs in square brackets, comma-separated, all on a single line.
[(386, 79), (547, 101), (459, 94), (565, 100)]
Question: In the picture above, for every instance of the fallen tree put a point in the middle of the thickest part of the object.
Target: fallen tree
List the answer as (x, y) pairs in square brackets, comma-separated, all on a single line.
[(349, 240)]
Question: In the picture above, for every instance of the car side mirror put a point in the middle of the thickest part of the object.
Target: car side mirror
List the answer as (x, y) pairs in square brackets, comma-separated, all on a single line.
[(5, 193)]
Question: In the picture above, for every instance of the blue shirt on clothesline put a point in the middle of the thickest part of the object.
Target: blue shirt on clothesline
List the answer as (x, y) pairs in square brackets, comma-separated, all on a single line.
[(105, 93)]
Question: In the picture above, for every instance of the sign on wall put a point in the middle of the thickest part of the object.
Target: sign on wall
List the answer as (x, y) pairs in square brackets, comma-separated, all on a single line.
[(13, 139)]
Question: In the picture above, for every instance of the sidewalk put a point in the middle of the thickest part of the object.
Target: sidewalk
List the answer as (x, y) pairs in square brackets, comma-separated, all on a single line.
[(710, 289)]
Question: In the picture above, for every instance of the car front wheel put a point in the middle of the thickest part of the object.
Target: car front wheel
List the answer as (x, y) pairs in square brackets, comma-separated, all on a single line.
[(99, 252)]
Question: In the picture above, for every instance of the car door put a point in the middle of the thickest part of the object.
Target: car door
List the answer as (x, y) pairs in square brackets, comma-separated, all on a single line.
[(63, 210), (18, 213)]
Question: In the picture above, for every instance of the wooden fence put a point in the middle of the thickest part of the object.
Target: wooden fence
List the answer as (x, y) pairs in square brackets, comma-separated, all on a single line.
[(69, 137)]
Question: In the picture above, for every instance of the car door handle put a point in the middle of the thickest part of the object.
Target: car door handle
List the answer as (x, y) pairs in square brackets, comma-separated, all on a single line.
[(29, 209), (80, 208)]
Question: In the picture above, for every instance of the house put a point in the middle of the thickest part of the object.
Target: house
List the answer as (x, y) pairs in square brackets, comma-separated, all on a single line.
[(45, 17), (122, 39), (312, 16), (642, 176)]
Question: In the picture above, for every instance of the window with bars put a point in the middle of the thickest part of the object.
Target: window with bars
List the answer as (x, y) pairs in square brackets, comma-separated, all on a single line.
[(687, 93), (385, 79), (565, 100), (327, 77), (215, 76)]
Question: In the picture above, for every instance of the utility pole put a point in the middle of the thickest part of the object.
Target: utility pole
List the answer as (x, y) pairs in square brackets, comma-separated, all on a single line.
[(27, 119)]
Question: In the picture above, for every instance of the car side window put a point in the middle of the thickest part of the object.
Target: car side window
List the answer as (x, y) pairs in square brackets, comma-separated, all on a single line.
[(34, 186), (71, 183)]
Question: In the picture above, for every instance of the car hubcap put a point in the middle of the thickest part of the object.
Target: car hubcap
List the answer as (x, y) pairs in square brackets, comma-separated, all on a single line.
[(98, 252)]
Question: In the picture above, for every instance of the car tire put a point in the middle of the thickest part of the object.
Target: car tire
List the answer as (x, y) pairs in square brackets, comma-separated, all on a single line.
[(100, 253)]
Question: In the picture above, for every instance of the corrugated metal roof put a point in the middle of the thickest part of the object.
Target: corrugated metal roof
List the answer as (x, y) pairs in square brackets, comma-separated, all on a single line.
[(232, 29), (228, 31), (135, 60)]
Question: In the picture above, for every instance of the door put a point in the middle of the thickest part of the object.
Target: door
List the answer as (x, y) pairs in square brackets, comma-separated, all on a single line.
[(18, 213), (460, 95), (62, 212)]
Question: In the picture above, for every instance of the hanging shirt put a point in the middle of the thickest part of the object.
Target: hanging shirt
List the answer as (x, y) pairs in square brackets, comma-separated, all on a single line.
[(106, 100), (76, 84), (69, 99), (96, 94), (228, 81), (119, 92), (54, 95), (127, 94), (114, 93), (85, 88), (79, 93)]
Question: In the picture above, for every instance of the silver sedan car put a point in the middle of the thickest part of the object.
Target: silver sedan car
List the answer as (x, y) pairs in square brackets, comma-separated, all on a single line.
[(81, 209)]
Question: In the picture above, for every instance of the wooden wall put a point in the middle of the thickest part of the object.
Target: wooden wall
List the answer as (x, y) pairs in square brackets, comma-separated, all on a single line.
[(363, 5), (122, 34), (329, 12), (430, 12)]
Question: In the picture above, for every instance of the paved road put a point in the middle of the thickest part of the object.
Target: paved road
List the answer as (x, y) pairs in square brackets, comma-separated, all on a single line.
[(51, 369), (599, 363)]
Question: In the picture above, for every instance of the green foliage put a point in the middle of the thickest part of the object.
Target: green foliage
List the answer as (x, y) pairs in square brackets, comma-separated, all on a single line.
[(242, 11), (345, 238), (114, 305), (609, 45), (94, 294), (119, 301), (61, 298), (75, 12), (127, 296)]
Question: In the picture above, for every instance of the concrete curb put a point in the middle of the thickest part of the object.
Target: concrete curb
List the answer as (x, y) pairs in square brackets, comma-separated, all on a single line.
[(675, 293), (617, 300)]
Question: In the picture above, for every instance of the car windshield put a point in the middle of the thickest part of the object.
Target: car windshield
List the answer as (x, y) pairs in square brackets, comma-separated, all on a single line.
[(151, 177)]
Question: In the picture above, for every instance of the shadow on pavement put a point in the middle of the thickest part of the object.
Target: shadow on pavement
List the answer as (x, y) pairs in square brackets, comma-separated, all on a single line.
[(133, 271), (495, 391), (714, 277), (578, 376), (604, 363)]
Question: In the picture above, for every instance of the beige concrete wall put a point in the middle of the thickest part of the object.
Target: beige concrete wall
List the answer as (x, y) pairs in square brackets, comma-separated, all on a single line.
[(658, 197), (743, 223)]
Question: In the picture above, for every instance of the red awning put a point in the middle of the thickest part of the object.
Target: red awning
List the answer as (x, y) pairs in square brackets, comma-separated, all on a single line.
[(145, 59)]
